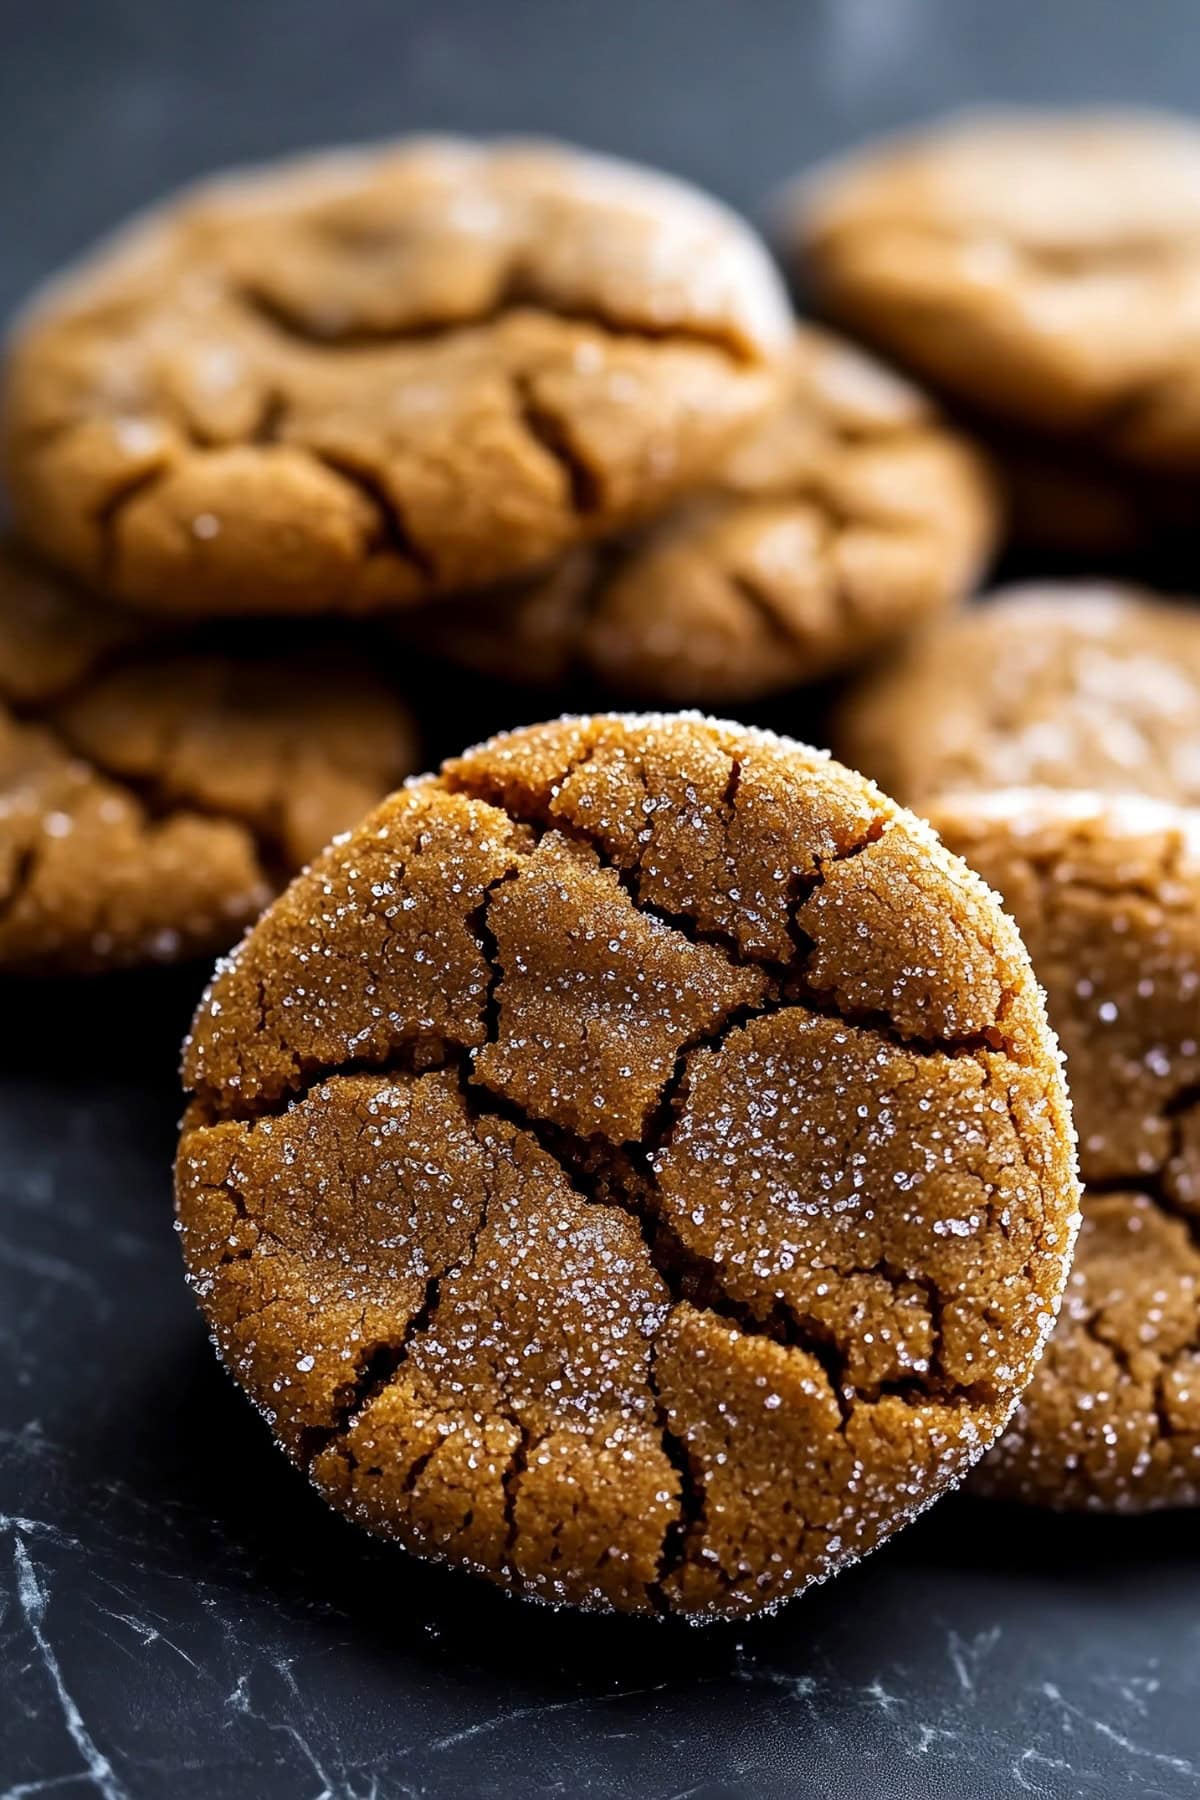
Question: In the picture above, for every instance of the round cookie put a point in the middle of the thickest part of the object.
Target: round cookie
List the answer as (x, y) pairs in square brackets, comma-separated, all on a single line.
[(848, 515), (354, 380), (1060, 685), (1042, 266), (634, 1165), (1106, 892), (154, 795)]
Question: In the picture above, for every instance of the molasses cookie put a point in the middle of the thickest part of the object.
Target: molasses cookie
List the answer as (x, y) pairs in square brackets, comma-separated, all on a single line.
[(1042, 266), (153, 796), (358, 379), (1106, 892), (1061, 685), (633, 1165), (848, 515)]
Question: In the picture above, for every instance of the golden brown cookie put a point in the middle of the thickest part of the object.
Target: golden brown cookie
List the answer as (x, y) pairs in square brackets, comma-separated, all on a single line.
[(1106, 892), (1062, 685), (358, 379), (1043, 266), (634, 1166), (848, 515), (154, 796)]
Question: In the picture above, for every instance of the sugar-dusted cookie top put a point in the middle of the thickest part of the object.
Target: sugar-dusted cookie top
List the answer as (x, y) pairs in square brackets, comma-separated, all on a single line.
[(1061, 685), (1106, 893), (354, 380), (633, 1165)]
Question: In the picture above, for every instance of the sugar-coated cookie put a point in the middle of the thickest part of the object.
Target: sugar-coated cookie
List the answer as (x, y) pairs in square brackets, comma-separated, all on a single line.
[(1061, 685), (633, 1165), (1106, 892)]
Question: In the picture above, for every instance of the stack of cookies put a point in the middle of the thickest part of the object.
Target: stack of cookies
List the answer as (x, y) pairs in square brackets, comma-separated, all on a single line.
[(635, 1163), (511, 407), (1042, 273)]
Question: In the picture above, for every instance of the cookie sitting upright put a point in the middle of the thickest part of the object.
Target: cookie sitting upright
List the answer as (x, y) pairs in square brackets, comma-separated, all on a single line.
[(634, 1165)]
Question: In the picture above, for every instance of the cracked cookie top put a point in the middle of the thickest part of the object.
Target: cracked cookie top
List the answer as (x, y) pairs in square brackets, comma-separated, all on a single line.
[(634, 1165), (1060, 685), (1106, 892), (1044, 266), (848, 515), (154, 794), (360, 379)]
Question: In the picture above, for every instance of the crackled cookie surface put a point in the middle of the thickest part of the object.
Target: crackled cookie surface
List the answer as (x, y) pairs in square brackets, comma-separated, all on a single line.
[(1062, 685), (359, 379), (633, 1165), (153, 796), (1106, 892), (847, 516), (1046, 266)]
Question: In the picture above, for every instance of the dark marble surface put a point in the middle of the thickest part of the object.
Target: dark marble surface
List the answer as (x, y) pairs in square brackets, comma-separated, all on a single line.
[(179, 1616)]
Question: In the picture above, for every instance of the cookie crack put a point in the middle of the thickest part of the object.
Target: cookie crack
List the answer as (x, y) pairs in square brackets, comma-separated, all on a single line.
[(378, 1364), (758, 600), (686, 1531), (106, 517), (375, 1368), (272, 416), (160, 805), (425, 1051), (542, 820), (406, 1057), (391, 534), (623, 1178), (510, 1483), (551, 431), (1149, 1386), (237, 1200), (20, 880), (519, 294), (478, 923)]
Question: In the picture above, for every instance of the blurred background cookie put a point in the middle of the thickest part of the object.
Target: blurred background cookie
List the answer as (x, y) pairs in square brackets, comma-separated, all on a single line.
[(355, 380), (1060, 685), (847, 515), (1041, 265), (1106, 893), (154, 793)]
